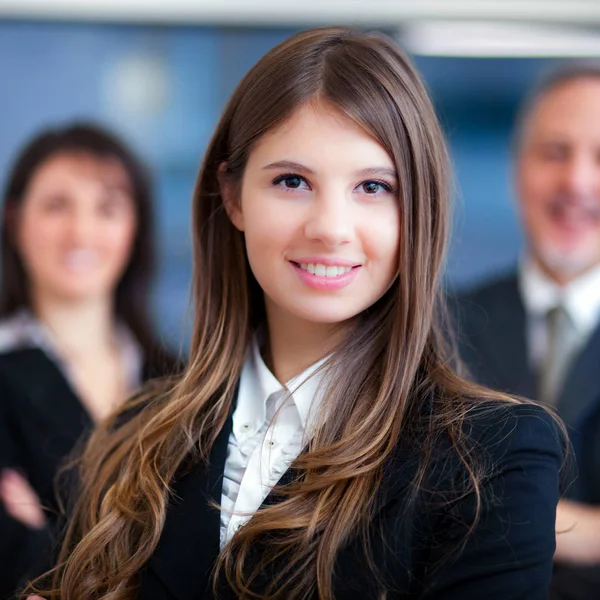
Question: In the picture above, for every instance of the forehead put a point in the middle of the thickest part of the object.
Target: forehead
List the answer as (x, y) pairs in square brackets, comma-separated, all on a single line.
[(81, 168), (569, 112), (312, 131)]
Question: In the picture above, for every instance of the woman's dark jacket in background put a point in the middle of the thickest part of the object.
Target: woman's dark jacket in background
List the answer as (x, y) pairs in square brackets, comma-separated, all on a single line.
[(41, 422)]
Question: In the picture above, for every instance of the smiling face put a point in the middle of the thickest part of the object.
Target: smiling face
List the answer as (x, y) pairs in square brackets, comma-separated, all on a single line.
[(75, 227), (319, 210), (558, 179)]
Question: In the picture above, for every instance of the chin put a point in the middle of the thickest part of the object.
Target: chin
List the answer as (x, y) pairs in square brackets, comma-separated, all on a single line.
[(324, 315), (77, 296), (80, 291), (569, 262)]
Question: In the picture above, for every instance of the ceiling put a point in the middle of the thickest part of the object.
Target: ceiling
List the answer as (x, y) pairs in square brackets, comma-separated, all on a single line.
[(375, 13)]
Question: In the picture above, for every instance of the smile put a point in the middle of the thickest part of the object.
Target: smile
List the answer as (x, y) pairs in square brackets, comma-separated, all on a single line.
[(326, 278), (80, 259), (321, 270)]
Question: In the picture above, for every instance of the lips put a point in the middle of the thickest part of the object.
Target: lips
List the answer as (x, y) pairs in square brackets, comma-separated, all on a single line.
[(575, 214), (80, 259), (326, 277)]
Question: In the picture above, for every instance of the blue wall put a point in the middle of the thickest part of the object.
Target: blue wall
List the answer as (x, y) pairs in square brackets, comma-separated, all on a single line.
[(53, 72)]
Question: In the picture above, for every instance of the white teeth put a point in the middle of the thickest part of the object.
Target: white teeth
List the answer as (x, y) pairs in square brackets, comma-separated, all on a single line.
[(321, 270)]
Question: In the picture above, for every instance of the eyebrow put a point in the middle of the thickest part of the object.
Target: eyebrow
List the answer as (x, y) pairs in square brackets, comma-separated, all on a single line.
[(294, 166), (119, 188)]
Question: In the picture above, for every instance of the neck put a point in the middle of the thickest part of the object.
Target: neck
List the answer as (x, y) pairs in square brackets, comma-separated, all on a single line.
[(295, 344), (80, 327)]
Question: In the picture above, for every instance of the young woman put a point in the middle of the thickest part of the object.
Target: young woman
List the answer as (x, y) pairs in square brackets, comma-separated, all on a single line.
[(319, 445), (75, 335)]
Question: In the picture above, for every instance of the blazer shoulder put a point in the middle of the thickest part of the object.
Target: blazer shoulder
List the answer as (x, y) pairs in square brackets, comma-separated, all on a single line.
[(142, 403), (502, 427), (493, 437), (492, 301), (162, 363), (26, 369), (22, 359), (517, 451), (490, 287)]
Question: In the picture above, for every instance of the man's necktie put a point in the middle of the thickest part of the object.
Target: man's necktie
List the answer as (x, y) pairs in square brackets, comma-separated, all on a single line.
[(562, 348)]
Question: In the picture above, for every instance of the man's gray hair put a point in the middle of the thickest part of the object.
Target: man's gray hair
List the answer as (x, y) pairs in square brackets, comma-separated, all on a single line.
[(555, 78)]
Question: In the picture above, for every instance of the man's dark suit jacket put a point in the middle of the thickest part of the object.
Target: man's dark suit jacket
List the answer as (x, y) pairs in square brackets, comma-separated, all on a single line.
[(41, 421), (492, 333), (509, 557)]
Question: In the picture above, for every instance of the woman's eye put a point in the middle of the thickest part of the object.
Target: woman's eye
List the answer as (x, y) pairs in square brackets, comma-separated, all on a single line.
[(110, 208), (375, 187), (55, 204), (113, 204), (290, 182)]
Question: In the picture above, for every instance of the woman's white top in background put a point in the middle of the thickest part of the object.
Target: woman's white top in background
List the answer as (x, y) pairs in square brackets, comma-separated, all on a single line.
[(271, 425), (23, 330)]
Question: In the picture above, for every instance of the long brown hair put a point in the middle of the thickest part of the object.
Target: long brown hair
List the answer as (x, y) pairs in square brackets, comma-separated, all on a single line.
[(133, 289), (396, 353)]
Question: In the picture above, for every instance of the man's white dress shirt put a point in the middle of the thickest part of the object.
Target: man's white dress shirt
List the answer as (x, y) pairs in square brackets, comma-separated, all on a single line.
[(580, 298), (271, 425)]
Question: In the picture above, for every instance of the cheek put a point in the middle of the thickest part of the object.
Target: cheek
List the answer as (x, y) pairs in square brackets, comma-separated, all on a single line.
[(380, 236), (38, 244), (533, 194), (38, 237), (268, 229), (265, 248), (536, 184), (118, 237)]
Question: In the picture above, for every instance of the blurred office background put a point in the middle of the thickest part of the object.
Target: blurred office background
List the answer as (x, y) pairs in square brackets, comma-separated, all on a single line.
[(160, 73)]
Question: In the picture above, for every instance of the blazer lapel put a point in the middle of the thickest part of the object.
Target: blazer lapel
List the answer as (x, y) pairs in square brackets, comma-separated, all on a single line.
[(49, 393), (190, 540), (581, 391), (507, 343)]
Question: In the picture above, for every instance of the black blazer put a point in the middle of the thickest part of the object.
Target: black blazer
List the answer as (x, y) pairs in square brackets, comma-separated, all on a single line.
[(492, 338), (509, 557), (41, 421)]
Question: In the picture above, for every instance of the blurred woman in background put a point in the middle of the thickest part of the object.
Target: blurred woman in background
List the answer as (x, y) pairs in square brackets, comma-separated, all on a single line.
[(77, 254)]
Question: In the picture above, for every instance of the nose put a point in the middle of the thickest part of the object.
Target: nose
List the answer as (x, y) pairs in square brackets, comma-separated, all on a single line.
[(81, 225), (331, 220), (581, 176)]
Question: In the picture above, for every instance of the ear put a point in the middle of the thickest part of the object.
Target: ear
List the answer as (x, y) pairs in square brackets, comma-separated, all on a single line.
[(230, 194)]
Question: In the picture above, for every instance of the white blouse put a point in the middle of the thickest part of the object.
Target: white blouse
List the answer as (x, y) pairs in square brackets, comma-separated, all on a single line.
[(271, 425)]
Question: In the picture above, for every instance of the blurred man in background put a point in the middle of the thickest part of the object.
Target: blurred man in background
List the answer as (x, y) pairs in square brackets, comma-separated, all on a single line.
[(536, 332)]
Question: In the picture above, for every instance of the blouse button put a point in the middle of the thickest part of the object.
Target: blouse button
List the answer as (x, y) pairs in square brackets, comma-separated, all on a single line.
[(246, 429)]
